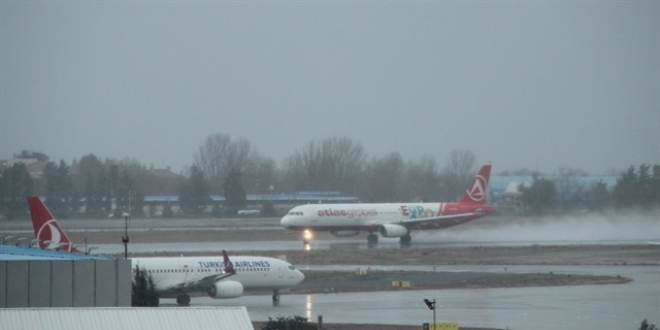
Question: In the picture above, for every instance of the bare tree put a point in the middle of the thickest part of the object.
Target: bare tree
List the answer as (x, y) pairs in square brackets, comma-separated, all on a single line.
[(210, 159), (569, 188), (332, 164), (219, 156), (384, 179), (460, 169), (423, 181)]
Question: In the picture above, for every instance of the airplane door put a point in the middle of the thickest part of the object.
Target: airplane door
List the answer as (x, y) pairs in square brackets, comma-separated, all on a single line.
[(280, 272)]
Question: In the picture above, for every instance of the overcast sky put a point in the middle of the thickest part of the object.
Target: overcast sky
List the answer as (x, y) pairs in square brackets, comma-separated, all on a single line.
[(534, 85)]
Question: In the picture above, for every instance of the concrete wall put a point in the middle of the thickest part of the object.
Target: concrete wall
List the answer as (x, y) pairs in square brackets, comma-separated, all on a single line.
[(65, 283)]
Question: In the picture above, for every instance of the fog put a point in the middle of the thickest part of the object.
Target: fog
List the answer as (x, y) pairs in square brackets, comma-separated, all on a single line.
[(522, 84), (629, 226)]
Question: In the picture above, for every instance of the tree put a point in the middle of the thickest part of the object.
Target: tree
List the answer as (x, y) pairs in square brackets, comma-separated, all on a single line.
[(292, 323), (383, 180), (423, 181), (59, 189), (144, 292), (219, 156), (646, 326), (331, 164), (268, 209), (598, 197), (15, 185), (91, 180), (569, 189), (235, 198), (639, 188), (540, 197), (194, 193), (458, 173)]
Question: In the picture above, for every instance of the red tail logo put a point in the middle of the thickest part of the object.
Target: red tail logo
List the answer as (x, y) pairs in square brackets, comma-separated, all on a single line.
[(46, 229), (476, 192)]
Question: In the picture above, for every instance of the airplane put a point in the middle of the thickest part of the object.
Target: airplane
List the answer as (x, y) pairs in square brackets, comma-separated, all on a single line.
[(391, 219), (176, 277)]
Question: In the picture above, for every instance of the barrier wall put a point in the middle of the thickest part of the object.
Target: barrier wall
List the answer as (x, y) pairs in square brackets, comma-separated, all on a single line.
[(65, 283)]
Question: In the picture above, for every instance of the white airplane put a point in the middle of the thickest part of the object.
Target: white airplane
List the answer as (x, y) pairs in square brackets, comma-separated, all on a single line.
[(391, 219), (176, 277)]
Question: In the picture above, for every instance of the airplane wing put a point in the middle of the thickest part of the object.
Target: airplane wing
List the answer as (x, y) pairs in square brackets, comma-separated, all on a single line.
[(203, 283), (412, 223)]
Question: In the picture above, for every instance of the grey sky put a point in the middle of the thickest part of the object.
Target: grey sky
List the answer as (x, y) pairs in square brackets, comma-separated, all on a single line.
[(520, 84)]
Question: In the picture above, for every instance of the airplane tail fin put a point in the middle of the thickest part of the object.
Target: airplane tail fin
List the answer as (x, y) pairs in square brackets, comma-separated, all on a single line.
[(46, 229), (229, 267), (478, 188)]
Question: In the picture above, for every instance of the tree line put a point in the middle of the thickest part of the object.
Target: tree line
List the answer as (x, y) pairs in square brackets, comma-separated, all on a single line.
[(637, 188), (234, 168)]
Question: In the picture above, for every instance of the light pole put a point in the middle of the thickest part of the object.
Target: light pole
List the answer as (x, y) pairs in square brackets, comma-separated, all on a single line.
[(127, 215), (431, 305), (125, 238)]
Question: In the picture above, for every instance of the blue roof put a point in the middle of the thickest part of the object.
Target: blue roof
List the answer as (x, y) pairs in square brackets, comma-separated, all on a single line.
[(12, 252), (499, 183)]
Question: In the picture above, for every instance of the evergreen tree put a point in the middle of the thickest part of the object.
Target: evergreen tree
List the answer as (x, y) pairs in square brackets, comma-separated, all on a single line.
[(540, 197), (144, 292), (194, 193), (235, 198), (16, 184), (59, 189)]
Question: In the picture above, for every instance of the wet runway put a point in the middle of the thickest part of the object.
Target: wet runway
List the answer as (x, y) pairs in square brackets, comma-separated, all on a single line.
[(585, 307), (216, 247)]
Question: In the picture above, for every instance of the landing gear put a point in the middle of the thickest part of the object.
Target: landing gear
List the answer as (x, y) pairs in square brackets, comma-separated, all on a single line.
[(372, 238), (405, 239), (276, 296), (183, 300)]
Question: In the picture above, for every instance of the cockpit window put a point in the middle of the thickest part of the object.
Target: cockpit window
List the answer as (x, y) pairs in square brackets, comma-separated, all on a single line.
[(291, 267), (295, 213)]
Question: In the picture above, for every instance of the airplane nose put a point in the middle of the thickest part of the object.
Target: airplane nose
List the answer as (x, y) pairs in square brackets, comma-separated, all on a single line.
[(286, 222), (301, 276)]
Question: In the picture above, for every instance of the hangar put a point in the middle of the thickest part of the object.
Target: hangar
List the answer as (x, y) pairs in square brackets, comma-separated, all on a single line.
[(113, 318)]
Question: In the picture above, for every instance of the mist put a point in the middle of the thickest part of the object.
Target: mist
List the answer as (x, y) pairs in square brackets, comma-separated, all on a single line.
[(629, 226)]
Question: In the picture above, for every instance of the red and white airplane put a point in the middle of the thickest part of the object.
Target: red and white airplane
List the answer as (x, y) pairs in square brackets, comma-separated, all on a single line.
[(391, 219)]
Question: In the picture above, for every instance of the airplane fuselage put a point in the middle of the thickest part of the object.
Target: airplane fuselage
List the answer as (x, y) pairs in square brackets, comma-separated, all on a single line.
[(368, 217), (254, 273)]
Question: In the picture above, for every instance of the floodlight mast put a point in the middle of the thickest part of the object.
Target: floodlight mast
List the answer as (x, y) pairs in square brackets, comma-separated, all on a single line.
[(431, 305), (127, 216)]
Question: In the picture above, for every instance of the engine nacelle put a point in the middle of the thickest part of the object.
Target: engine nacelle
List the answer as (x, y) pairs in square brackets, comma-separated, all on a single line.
[(226, 290), (344, 233), (392, 230)]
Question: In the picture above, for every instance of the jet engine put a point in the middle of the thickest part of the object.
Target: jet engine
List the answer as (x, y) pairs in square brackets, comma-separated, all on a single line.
[(344, 233), (226, 290), (392, 230)]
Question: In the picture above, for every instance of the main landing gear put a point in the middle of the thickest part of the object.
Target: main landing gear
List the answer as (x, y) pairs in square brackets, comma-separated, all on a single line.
[(405, 239), (183, 300), (276, 298), (372, 238)]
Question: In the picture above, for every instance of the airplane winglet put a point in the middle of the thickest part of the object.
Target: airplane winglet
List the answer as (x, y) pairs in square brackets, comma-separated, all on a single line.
[(229, 267)]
